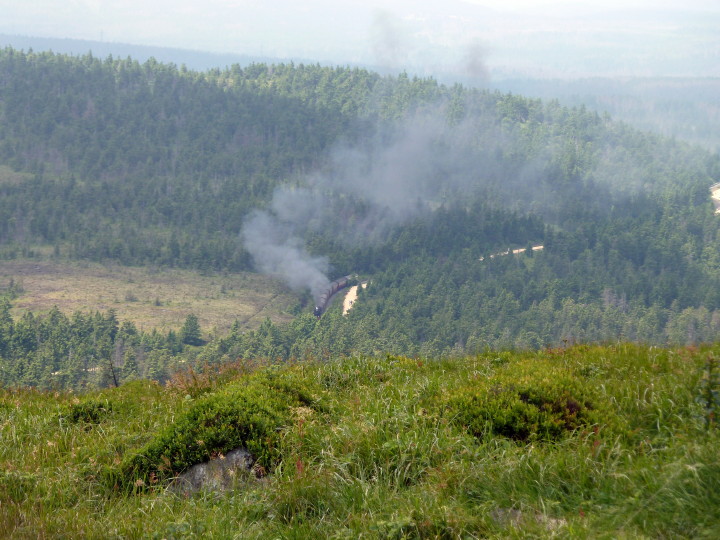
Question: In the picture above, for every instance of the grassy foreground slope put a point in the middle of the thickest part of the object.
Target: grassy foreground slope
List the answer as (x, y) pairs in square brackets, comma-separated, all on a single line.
[(614, 441)]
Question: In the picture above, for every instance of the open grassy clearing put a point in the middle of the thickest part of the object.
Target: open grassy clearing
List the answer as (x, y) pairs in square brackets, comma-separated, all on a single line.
[(151, 298), (380, 448)]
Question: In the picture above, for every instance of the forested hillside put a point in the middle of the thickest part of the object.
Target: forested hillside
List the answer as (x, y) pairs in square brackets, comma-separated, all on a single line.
[(145, 163), (410, 184)]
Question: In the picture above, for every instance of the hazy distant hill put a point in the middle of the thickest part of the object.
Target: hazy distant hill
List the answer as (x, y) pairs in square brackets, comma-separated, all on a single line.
[(193, 59), (686, 108)]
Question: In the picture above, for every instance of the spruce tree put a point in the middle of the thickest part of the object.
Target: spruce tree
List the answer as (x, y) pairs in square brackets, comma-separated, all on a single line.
[(190, 332), (130, 370)]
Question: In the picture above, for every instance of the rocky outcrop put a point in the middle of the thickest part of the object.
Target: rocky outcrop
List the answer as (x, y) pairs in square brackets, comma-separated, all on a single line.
[(215, 475)]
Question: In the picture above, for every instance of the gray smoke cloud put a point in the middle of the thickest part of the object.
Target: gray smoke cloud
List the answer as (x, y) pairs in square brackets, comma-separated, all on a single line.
[(427, 161), (388, 40), (279, 252), (397, 175), (473, 63)]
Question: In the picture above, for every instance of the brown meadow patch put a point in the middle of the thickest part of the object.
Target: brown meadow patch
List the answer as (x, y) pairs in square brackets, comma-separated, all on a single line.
[(151, 298)]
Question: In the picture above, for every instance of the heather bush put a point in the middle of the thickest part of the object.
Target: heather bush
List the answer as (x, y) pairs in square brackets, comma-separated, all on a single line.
[(249, 413), (91, 411), (527, 402)]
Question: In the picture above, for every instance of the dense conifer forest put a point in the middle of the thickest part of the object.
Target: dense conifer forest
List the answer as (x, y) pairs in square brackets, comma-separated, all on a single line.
[(153, 164)]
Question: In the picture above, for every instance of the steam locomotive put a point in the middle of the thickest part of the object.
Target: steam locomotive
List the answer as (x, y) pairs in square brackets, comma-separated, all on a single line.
[(325, 297)]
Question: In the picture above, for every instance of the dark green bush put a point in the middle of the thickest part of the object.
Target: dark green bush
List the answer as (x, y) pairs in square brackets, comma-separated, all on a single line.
[(87, 412), (709, 391), (525, 404), (249, 414)]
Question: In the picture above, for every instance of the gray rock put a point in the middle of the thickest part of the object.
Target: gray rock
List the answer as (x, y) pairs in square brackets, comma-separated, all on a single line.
[(218, 474), (516, 518)]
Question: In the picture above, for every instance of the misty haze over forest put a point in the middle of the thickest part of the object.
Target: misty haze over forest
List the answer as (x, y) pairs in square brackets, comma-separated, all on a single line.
[(462, 39), (655, 65)]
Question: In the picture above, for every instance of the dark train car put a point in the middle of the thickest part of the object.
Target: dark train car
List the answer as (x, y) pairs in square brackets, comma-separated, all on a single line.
[(325, 297)]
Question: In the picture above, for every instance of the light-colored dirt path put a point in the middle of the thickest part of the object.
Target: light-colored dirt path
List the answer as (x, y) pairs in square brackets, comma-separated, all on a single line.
[(350, 297), (514, 252), (715, 197)]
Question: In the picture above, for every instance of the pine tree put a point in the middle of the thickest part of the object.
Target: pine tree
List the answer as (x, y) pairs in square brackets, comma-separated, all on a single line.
[(130, 370), (190, 332), (6, 328)]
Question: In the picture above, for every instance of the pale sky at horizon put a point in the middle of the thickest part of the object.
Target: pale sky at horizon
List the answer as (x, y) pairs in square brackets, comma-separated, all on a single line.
[(553, 35)]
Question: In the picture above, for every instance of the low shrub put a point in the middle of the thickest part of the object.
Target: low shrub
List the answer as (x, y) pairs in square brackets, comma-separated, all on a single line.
[(92, 411), (709, 391), (248, 414), (527, 404)]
